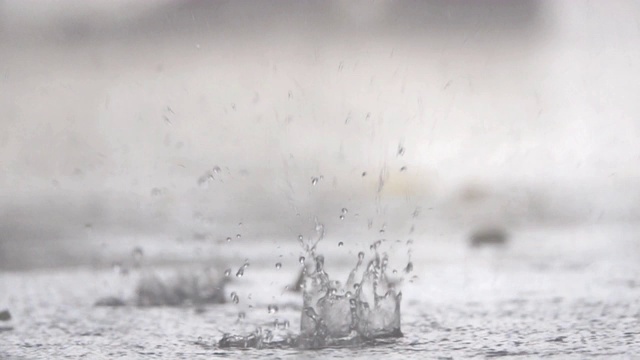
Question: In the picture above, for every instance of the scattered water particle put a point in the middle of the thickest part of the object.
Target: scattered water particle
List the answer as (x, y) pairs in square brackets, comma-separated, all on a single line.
[(272, 309), (409, 267), (216, 169), (199, 339), (229, 239), (241, 315), (137, 254), (361, 255), (400, 150), (238, 236), (341, 217), (364, 173), (234, 297), (404, 168), (340, 244), (227, 272), (344, 211), (278, 265), (302, 259), (314, 181)]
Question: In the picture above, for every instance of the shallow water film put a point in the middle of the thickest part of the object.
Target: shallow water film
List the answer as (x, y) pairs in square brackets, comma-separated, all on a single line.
[(360, 179)]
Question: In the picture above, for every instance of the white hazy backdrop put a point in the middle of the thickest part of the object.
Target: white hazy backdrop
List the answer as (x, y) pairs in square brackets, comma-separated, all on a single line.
[(511, 114)]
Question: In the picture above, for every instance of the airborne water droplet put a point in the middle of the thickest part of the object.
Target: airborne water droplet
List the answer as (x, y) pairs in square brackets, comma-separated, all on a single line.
[(272, 309), (238, 236), (314, 181), (278, 265), (340, 244), (341, 217), (409, 267), (229, 239), (344, 211), (137, 254), (360, 255), (227, 272), (302, 259), (234, 297)]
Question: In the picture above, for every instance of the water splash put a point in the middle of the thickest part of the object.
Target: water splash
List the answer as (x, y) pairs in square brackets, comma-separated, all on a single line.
[(363, 309)]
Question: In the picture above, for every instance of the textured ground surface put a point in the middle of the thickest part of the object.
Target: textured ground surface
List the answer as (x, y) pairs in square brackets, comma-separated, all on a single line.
[(568, 293)]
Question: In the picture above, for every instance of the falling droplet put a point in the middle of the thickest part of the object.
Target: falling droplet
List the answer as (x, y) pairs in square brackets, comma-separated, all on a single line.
[(340, 244), (272, 309), (137, 254), (364, 173), (341, 217), (240, 272), (278, 265), (227, 272), (400, 150), (409, 267), (216, 169), (241, 315), (402, 169), (302, 259), (228, 239), (344, 211), (238, 236), (234, 297), (361, 255), (314, 181), (199, 339)]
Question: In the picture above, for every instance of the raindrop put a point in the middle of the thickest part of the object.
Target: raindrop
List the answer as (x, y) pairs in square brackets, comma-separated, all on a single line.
[(340, 244), (361, 255), (238, 236), (137, 254), (395, 271), (302, 259), (272, 309), (409, 267), (364, 173), (199, 339), (216, 169), (314, 181), (240, 272), (344, 211), (228, 239), (241, 315), (286, 324), (341, 217), (234, 297), (278, 265), (404, 168), (400, 150), (227, 272)]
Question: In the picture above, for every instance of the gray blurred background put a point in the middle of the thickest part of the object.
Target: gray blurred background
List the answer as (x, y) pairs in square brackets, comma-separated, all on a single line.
[(125, 122)]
